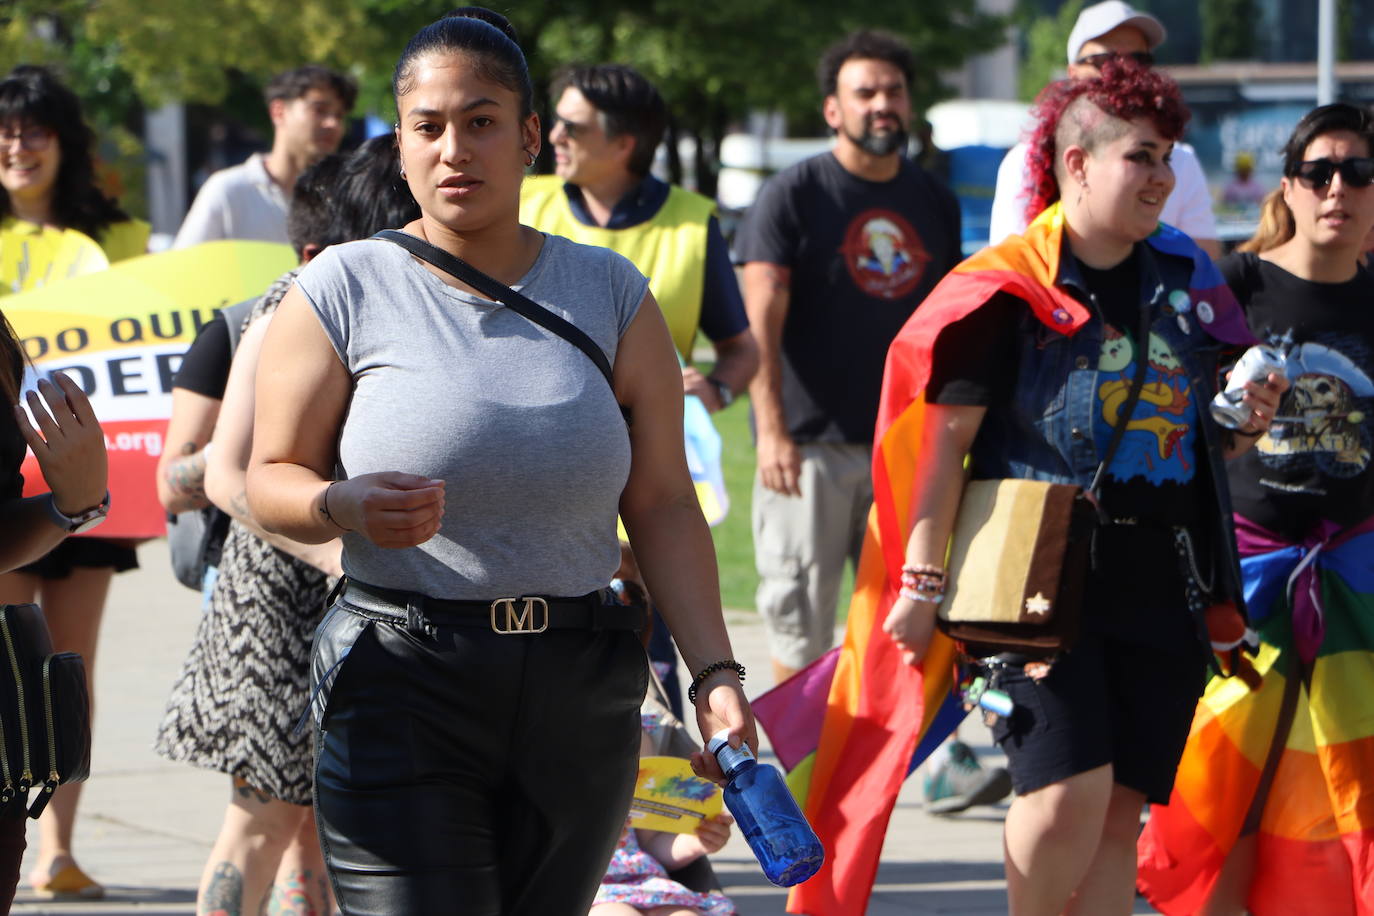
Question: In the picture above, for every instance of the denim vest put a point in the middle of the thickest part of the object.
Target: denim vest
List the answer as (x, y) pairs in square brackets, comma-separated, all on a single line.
[(1045, 431)]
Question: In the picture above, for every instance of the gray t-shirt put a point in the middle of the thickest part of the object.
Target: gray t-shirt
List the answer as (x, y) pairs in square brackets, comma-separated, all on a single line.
[(519, 423)]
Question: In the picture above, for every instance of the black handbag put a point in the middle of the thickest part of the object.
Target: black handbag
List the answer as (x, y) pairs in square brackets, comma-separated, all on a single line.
[(45, 711)]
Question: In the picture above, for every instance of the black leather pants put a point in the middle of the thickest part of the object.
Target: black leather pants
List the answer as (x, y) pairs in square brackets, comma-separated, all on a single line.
[(467, 772)]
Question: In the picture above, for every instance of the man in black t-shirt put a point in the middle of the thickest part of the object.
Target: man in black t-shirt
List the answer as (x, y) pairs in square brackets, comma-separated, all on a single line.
[(838, 251)]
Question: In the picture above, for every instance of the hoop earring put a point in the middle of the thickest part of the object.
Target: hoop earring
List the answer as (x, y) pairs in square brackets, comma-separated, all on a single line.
[(403, 171), (529, 158)]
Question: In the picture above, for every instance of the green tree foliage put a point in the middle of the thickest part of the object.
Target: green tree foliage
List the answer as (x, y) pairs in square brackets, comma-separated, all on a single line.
[(715, 60), (1228, 30), (1046, 38)]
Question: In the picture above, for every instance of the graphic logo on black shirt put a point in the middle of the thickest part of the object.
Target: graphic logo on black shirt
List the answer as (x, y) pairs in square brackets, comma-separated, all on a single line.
[(1320, 417), (884, 254), (1159, 439)]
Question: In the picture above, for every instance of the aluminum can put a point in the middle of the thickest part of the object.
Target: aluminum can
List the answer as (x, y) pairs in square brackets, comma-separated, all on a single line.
[(1255, 365)]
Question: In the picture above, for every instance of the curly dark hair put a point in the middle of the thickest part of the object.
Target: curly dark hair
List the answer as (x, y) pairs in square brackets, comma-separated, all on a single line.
[(1125, 91), (865, 44), (32, 95)]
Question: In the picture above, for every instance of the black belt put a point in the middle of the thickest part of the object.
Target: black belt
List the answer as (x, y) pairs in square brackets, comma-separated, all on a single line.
[(516, 616)]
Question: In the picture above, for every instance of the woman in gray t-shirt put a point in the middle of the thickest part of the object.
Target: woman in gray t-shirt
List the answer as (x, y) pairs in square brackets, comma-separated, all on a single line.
[(479, 744)]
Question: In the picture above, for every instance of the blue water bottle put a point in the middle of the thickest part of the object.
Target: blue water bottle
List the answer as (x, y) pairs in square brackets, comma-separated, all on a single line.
[(768, 816)]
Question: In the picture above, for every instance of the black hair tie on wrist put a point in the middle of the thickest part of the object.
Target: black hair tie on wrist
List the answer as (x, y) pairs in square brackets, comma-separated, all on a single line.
[(704, 673)]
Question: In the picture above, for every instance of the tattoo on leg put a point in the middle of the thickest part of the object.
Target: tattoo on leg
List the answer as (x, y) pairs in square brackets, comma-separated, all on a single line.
[(245, 791), (224, 894), (290, 897)]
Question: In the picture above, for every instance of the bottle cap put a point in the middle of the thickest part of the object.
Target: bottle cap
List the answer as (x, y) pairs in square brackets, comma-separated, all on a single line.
[(730, 758)]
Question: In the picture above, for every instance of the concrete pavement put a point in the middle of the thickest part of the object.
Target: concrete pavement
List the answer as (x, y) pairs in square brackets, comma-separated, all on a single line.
[(146, 825)]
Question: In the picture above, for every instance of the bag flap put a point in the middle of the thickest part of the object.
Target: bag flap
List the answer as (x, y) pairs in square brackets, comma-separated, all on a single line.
[(1008, 551)]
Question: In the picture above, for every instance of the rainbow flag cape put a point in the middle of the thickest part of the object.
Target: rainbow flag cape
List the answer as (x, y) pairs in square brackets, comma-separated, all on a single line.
[(881, 716), (1313, 604)]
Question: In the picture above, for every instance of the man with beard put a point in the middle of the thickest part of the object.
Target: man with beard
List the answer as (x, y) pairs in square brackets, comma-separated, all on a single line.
[(309, 110), (838, 251)]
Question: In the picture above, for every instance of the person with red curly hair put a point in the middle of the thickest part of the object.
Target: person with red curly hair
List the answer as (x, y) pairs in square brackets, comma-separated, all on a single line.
[(1111, 30), (1025, 360)]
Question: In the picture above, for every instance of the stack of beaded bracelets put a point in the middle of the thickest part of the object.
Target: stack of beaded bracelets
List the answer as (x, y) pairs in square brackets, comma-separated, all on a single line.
[(923, 583), (711, 669)]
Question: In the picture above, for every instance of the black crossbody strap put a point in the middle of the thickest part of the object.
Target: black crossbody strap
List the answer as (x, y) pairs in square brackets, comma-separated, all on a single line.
[(495, 289), (1142, 359)]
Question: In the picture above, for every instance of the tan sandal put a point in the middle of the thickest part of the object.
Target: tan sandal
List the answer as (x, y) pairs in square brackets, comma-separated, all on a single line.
[(70, 883)]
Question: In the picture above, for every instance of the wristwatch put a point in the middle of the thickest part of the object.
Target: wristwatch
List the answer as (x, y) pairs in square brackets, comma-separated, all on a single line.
[(722, 390), (82, 521)]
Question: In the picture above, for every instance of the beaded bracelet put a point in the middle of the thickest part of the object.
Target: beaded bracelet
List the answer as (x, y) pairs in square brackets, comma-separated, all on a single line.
[(723, 665), (928, 597), (923, 569)]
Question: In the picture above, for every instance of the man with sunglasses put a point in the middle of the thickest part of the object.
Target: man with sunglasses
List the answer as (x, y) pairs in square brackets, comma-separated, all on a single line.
[(1102, 32)]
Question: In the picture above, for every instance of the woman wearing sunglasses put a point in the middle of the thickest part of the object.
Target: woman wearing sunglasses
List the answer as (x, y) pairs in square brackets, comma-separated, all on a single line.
[(1273, 807)]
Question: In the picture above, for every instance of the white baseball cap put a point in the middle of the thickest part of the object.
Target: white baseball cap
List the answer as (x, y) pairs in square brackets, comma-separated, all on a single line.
[(1100, 18)]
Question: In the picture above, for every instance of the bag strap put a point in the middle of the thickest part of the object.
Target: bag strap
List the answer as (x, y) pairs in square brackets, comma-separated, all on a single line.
[(1142, 359), (494, 289)]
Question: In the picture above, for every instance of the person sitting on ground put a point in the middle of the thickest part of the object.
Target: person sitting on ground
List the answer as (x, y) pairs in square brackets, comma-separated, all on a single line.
[(637, 879)]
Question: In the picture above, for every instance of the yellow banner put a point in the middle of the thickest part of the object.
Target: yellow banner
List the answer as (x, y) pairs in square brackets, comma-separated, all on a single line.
[(120, 333)]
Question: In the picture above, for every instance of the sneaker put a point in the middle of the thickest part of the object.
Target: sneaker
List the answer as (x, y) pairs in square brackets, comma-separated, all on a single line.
[(961, 782)]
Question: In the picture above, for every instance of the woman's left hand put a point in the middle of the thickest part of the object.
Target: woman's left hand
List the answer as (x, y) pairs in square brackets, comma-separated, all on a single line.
[(721, 706)]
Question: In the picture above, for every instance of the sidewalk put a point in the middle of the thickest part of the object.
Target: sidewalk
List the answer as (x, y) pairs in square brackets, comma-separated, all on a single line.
[(147, 825)]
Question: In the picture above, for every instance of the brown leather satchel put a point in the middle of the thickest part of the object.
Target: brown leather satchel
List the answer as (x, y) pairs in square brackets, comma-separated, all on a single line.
[(1017, 566), (1020, 552)]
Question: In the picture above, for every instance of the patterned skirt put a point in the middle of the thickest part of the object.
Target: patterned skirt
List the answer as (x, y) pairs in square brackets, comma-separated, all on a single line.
[(246, 681)]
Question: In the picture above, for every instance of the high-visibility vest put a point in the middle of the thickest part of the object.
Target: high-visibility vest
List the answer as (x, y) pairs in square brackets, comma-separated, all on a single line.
[(670, 248)]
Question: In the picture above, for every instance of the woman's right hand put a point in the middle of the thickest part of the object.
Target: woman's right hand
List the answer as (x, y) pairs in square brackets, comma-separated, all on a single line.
[(389, 508), (68, 443), (911, 624)]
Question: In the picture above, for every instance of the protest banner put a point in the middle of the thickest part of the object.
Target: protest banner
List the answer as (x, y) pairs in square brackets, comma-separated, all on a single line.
[(120, 333)]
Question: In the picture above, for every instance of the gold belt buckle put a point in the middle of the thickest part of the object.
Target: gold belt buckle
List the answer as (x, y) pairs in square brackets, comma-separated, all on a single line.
[(522, 622)]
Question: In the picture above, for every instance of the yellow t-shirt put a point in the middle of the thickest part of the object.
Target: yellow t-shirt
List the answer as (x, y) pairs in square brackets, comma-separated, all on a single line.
[(32, 256)]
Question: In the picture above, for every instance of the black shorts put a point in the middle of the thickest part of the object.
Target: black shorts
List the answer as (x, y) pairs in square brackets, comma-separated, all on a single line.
[(1104, 702), (59, 562)]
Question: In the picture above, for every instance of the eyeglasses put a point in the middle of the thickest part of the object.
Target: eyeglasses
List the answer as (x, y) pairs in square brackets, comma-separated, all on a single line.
[(1357, 172), (1143, 58), (34, 138)]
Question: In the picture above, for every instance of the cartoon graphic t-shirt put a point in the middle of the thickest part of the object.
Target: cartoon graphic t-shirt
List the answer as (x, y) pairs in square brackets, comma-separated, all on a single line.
[(862, 255), (1152, 475), (1314, 463), (1135, 589)]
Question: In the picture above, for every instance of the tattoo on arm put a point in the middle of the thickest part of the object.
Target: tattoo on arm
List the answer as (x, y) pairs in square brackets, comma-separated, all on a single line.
[(240, 504), (223, 894), (186, 475)]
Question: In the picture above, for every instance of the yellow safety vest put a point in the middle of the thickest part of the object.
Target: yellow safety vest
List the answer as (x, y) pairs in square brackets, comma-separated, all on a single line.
[(670, 248)]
